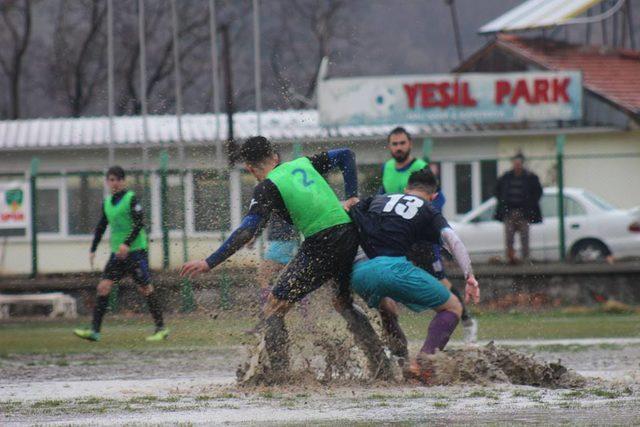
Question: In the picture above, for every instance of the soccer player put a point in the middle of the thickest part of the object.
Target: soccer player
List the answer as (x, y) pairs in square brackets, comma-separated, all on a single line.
[(122, 212), (389, 225), (298, 193), (395, 176)]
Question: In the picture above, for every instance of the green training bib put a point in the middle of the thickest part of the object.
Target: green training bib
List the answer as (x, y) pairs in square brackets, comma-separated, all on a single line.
[(121, 223), (395, 181), (312, 204)]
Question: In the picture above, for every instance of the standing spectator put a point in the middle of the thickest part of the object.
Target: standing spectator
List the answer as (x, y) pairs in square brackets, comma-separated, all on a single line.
[(518, 192)]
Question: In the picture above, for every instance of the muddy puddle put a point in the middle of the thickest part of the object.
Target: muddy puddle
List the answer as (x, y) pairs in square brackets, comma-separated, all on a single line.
[(197, 387)]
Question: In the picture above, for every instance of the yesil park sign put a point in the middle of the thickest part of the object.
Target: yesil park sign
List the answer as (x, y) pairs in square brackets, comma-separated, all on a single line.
[(451, 98)]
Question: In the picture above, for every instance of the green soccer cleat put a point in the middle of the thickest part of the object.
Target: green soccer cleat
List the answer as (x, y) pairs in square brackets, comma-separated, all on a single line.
[(87, 334), (160, 335)]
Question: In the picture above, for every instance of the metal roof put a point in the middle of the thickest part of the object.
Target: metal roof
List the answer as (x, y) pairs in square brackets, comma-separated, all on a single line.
[(538, 14), (611, 74), (278, 126)]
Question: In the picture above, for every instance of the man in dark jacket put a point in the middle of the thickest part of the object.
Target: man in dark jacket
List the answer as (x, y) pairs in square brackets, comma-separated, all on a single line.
[(518, 192)]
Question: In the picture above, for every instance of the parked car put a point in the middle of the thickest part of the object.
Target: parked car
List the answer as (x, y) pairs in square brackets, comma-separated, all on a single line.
[(593, 227)]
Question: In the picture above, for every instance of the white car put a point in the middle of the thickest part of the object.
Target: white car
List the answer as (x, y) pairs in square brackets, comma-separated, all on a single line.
[(593, 227)]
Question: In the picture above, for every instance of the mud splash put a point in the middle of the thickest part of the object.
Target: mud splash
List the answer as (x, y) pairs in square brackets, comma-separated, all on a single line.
[(320, 353), (493, 364)]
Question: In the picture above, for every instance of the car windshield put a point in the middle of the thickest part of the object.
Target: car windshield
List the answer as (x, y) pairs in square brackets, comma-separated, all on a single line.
[(596, 200)]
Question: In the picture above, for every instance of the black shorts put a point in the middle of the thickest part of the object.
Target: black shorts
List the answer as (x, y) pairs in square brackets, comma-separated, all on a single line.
[(135, 264), (327, 255), (426, 255)]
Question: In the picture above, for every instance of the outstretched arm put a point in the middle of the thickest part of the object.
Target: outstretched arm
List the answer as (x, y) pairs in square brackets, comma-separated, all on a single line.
[(240, 237), (259, 212), (343, 159), (456, 248)]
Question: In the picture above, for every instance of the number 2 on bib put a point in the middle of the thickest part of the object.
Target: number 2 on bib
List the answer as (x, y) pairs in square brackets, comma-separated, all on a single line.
[(305, 180), (405, 206)]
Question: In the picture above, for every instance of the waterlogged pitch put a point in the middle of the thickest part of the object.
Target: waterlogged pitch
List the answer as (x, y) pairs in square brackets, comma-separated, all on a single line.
[(48, 377)]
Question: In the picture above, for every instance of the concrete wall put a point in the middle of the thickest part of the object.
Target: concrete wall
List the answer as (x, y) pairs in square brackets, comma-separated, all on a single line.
[(71, 254)]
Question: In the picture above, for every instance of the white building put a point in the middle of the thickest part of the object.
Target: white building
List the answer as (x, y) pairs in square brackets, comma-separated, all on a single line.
[(603, 155)]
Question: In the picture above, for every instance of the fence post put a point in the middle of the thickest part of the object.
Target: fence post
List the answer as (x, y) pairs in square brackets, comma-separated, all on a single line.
[(297, 150), (164, 211), (560, 140), (33, 192), (427, 149)]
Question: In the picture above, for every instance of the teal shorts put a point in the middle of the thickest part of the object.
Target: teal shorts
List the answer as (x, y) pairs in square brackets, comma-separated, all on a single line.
[(398, 279), (281, 251)]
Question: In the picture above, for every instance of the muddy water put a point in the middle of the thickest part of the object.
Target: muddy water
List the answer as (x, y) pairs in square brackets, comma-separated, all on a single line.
[(199, 387)]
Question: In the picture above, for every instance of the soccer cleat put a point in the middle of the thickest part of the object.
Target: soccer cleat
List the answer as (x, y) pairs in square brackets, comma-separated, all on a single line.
[(415, 372), (87, 334), (160, 335), (470, 330)]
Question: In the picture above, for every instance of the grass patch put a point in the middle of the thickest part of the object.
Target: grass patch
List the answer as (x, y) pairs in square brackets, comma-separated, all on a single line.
[(441, 405), (531, 394), (609, 394), (415, 395), (201, 332), (483, 393), (46, 404), (380, 396)]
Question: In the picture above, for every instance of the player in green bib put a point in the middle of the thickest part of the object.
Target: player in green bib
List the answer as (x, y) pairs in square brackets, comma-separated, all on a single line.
[(298, 193), (124, 216)]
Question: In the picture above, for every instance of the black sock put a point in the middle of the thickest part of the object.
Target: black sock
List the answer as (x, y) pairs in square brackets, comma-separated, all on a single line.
[(465, 313), (155, 309), (102, 303)]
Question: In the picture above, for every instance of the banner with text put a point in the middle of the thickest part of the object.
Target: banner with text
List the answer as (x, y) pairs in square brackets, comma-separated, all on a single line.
[(451, 98), (13, 205)]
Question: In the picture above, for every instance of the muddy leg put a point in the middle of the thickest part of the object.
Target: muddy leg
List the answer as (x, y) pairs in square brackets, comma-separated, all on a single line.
[(396, 339), (277, 344), (365, 337)]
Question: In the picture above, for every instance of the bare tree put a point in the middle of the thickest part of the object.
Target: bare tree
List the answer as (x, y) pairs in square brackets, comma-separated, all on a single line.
[(15, 34), (193, 34), (308, 31), (79, 51)]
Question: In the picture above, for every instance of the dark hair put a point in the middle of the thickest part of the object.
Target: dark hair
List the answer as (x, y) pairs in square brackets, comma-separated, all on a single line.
[(399, 130), (256, 149), (518, 156), (424, 179), (116, 171)]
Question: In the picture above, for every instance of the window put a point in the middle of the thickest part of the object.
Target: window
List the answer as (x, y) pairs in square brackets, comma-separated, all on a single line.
[(211, 201), (488, 177), (549, 206), (599, 202), (48, 210), (85, 203), (175, 203), (486, 215), (463, 188)]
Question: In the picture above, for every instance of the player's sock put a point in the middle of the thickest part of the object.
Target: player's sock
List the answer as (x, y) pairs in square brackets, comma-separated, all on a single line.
[(277, 343), (440, 330), (465, 314), (156, 310), (102, 303)]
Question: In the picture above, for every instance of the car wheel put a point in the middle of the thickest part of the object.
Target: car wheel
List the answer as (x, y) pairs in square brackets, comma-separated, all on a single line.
[(590, 250)]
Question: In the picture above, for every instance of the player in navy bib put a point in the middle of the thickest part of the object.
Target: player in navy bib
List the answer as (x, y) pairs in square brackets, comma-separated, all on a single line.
[(389, 225)]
